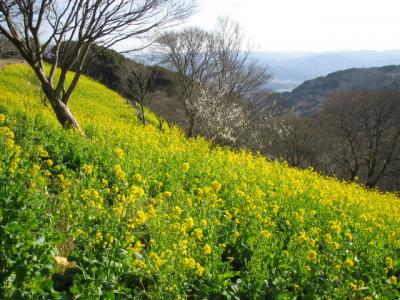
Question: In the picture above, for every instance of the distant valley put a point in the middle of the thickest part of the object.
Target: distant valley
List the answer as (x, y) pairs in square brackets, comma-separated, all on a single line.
[(290, 69)]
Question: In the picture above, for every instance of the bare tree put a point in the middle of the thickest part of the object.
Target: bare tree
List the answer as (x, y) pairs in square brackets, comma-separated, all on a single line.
[(190, 53), (138, 84), (364, 131), (235, 68), (34, 26), (213, 61)]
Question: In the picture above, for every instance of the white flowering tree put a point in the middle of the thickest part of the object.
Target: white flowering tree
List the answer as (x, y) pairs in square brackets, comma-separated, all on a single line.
[(219, 118)]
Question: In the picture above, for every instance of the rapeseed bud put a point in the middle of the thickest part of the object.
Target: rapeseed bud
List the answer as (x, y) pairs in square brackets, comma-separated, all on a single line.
[(216, 186), (119, 153), (266, 234), (389, 263), (311, 255), (349, 236), (198, 233), (34, 170), (393, 280), (87, 169), (207, 249), (119, 173), (349, 262), (41, 152), (138, 263), (10, 144), (176, 211), (336, 227), (137, 178), (189, 223), (185, 167), (189, 263)]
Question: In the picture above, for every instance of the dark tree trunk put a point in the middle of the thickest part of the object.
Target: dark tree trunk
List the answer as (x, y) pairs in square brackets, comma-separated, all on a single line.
[(60, 107), (64, 115)]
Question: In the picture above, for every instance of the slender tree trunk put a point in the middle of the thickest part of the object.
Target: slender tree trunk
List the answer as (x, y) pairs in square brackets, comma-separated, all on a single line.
[(191, 127), (64, 115)]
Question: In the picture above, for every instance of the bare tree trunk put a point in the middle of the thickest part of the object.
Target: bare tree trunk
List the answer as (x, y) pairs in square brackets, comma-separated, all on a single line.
[(191, 127), (64, 115)]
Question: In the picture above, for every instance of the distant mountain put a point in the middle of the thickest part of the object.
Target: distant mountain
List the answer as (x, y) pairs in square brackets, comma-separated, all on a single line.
[(308, 97), (290, 69)]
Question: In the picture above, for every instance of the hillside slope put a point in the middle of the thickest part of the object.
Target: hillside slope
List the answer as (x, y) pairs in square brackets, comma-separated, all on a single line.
[(309, 96), (128, 212)]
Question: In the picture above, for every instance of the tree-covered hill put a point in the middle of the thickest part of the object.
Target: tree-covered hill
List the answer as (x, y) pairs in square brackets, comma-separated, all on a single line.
[(309, 96)]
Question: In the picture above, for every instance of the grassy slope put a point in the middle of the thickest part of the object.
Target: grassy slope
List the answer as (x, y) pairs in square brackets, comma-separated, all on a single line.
[(190, 220)]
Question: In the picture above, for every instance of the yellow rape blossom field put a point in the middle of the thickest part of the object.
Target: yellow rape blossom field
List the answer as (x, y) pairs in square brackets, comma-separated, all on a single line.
[(129, 212)]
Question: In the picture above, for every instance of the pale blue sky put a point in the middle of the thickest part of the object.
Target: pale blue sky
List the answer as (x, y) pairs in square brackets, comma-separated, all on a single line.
[(310, 25)]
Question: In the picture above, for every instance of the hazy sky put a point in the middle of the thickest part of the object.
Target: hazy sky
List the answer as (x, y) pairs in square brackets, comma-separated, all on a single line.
[(310, 25)]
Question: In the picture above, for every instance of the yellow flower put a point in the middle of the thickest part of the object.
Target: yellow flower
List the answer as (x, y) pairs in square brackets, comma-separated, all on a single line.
[(119, 173), (185, 167), (389, 263), (189, 223), (137, 263), (10, 144), (2, 118), (349, 262), (336, 227), (98, 237), (393, 280), (138, 247), (137, 178), (266, 234), (303, 236), (141, 217), (176, 211), (337, 268), (119, 152), (198, 233), (207, 249), (34, 170), (49, 162), (349, 236), (216, 186), (64, 182), (312, 255), (189, 263), (198, 192), (41, 152), (87, 169), (93, 198), (167, 194), (199, 270)]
